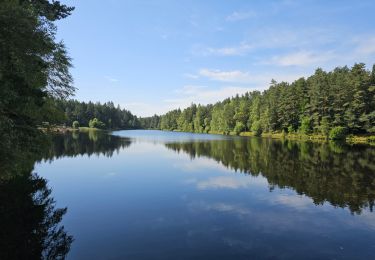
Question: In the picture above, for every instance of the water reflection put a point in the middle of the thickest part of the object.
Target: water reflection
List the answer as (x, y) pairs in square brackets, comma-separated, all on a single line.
[(30, 223), (29, 220), (159, 200), (336, 173), (342, 175), (85, 143)]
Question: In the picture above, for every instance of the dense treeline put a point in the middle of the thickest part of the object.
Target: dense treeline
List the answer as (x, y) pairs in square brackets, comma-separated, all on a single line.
[(110, 116), (342, 98), (34, 67), (152, 122)]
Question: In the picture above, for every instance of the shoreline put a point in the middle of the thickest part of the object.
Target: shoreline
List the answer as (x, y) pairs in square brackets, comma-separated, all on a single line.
[(351, 139)]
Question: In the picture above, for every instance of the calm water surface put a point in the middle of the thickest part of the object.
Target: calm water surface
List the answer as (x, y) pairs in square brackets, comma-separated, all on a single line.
[(166, 195)]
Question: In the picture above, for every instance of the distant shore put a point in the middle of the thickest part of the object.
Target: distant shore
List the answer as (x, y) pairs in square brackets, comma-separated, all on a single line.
[(350, 139), (61, 129)]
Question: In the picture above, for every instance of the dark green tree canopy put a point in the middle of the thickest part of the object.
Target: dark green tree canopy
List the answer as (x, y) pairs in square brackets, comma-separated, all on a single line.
[(34, 67), (50, 10)]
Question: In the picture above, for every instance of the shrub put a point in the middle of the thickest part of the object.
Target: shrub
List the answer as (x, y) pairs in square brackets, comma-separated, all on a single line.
[(256, 128), (240, 127), (75, 124), (324, 126), (290, 129), (337, 133), (96, 123), (305, 127), (371, 139)]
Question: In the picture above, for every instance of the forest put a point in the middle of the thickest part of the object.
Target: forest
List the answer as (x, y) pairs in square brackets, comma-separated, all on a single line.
[(107, 115), (333, 103)]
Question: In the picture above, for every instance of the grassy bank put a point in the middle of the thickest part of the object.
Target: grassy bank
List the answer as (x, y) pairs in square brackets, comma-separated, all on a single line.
[(351, 139), (62, 129)]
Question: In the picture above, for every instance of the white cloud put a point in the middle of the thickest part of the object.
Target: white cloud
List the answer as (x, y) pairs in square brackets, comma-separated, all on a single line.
[(294, 201), (301, 58), (146, 109), (220, 207), (203, 95), (241, 49), (236, 50), (229, 182), (191, 76), (237, 16), (257, 81), (263, 38), (200, 164), (227, 76), (368, 218), (111, 79)]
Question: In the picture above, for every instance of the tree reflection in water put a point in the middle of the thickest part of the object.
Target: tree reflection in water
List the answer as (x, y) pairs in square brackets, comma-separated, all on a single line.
[(336, 173), (29, 220), (30, 223)]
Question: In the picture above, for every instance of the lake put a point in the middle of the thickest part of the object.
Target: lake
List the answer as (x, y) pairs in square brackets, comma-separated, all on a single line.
[(167, 195)]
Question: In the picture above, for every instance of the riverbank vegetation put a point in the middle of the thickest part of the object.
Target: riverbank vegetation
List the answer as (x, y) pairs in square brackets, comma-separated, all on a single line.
[(327, 105), (96, 115), (34, 69)]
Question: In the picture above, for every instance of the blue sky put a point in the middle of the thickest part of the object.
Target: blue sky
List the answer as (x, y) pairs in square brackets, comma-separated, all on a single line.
[(154, 56)]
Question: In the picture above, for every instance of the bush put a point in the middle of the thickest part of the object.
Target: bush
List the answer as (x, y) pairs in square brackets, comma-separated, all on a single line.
[(371, 139), (324, 126), (240, 127), (75, 124), (290, 129), (96, 123), (256, 128), (305, 126), (337, 133)]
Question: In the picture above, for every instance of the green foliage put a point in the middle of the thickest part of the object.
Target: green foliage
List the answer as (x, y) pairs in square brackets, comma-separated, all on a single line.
[(240, 127), (324, 126), (28, 211), (343, 97), (371, 139), (113, 117), (256, 128), (337, 133), (96, 123), (75, 125), (305, 126), (34, 66)]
